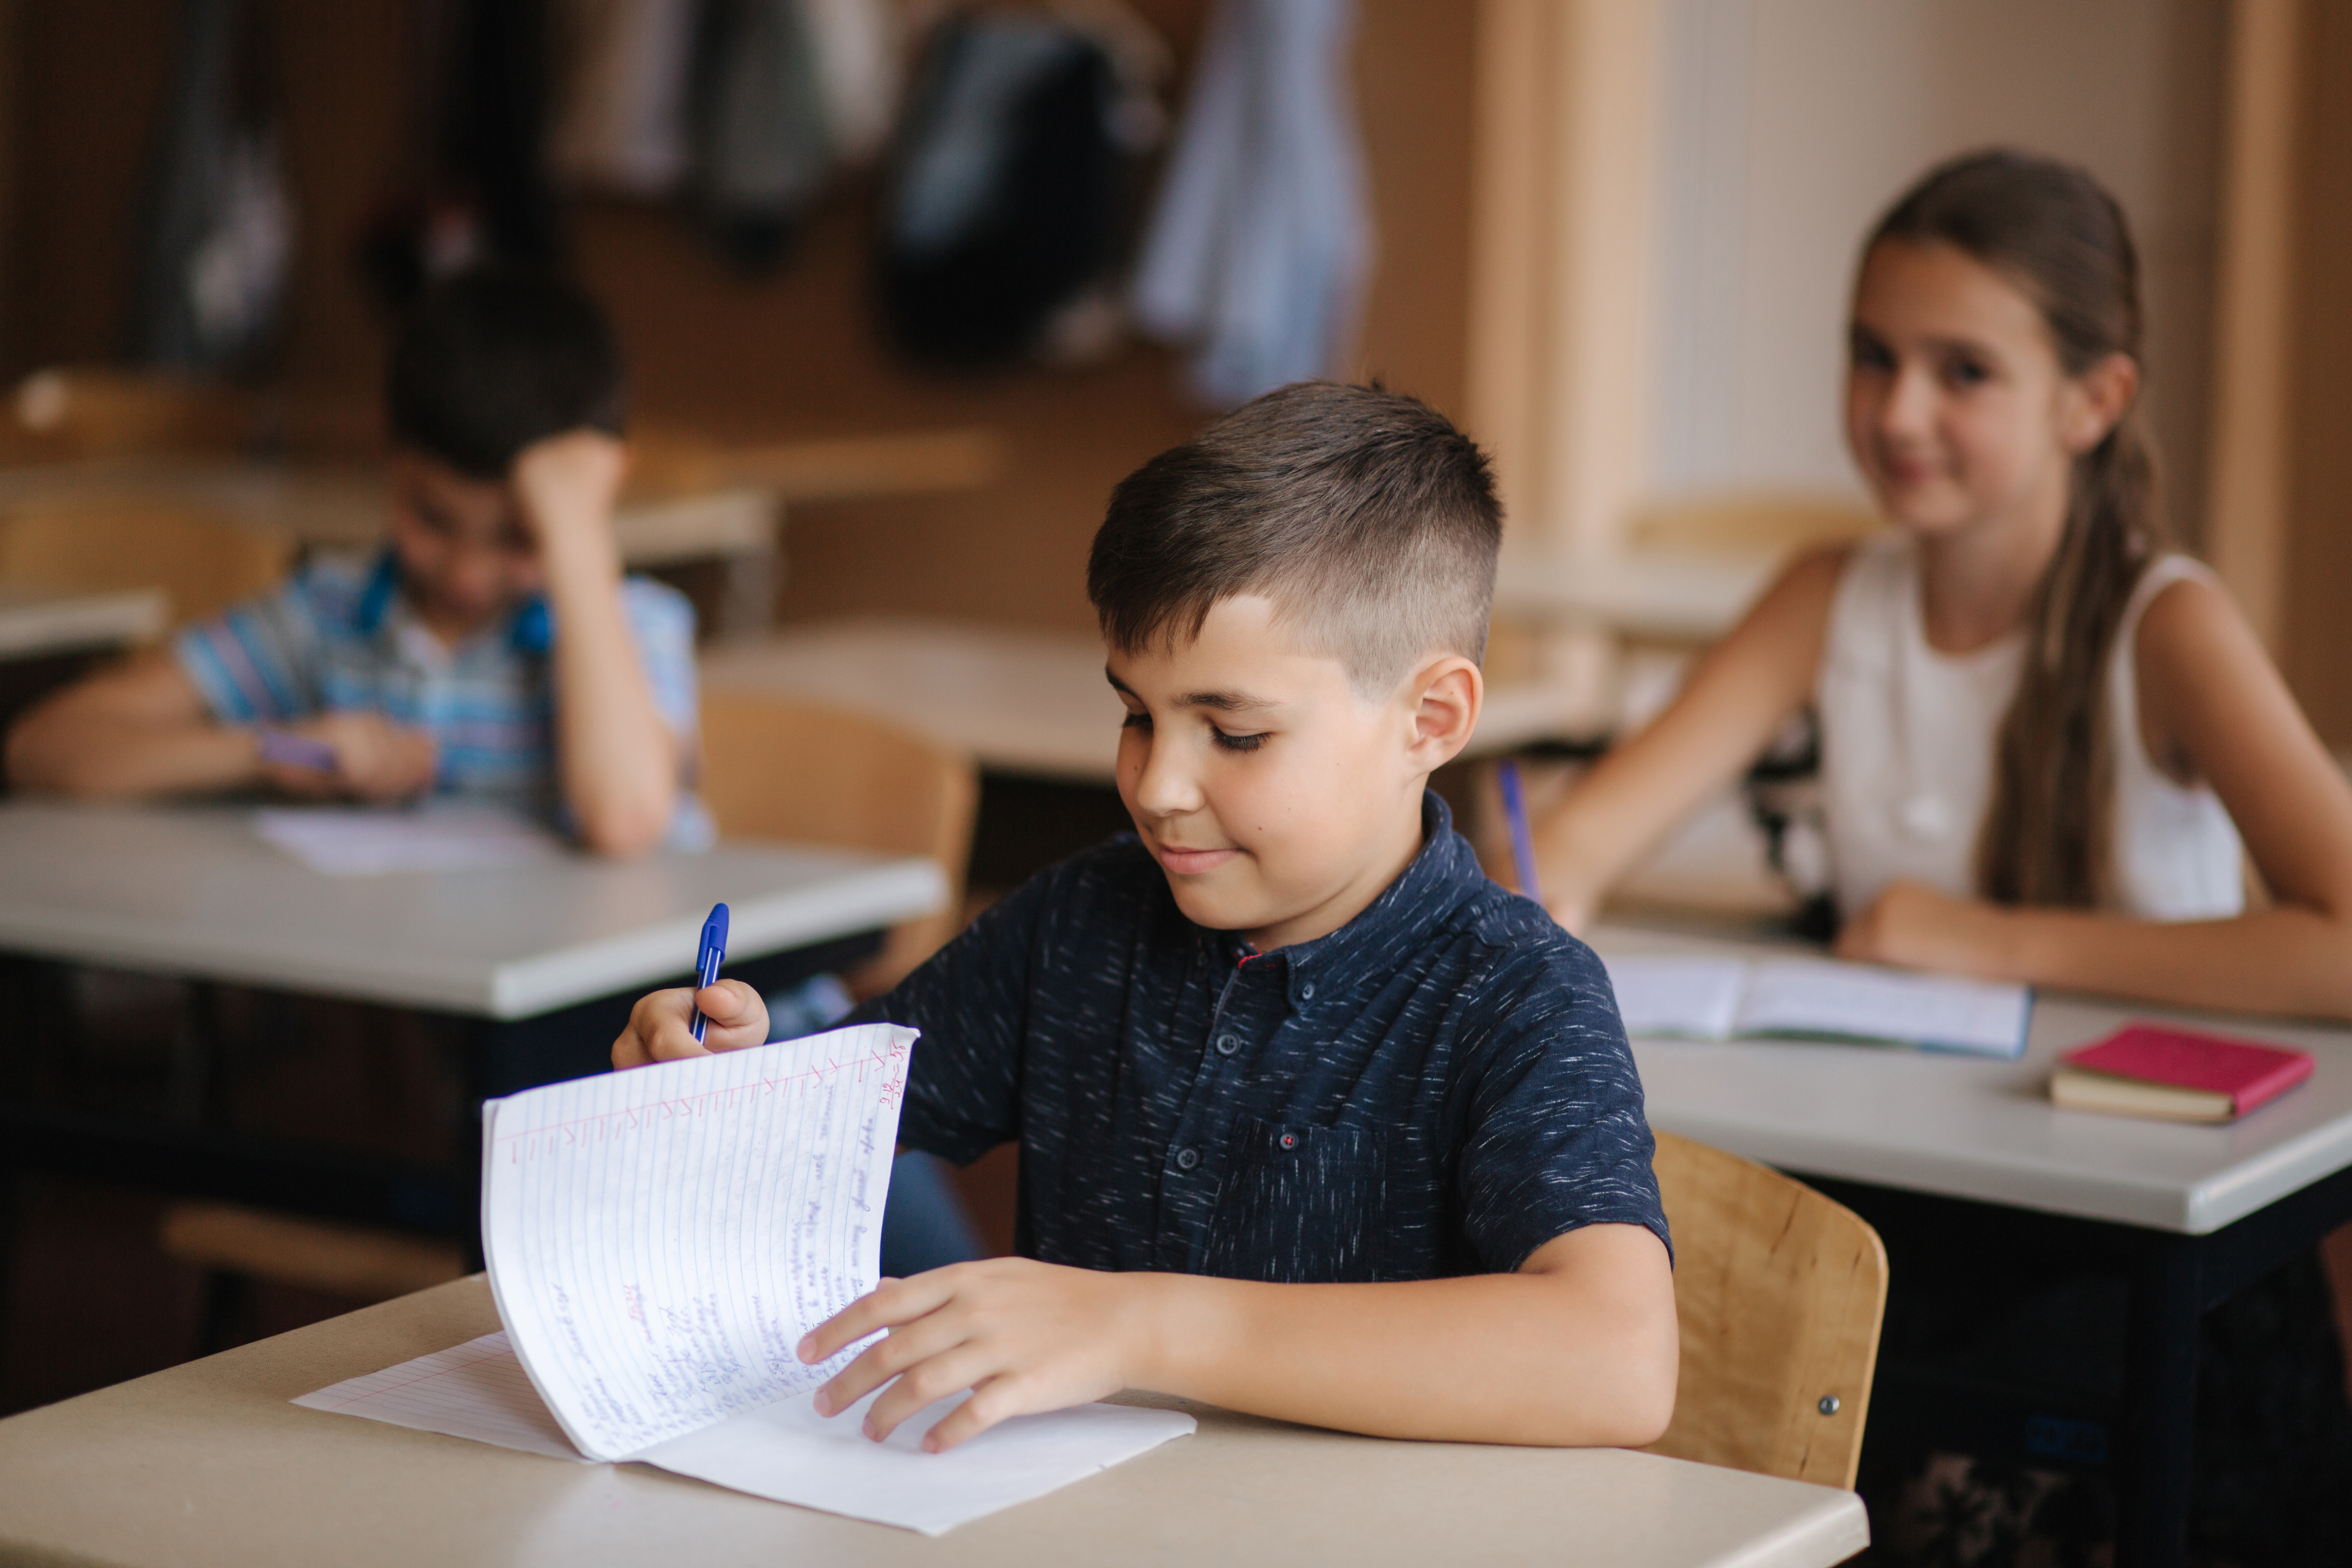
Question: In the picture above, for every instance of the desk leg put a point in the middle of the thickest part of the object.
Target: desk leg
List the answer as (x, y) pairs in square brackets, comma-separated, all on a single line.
[(2159, 1404)]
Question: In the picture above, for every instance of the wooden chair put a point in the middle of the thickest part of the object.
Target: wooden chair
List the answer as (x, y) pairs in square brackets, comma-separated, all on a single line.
[(236, 1245), (1780, 1292), (202, 561), (1761, 523), (776, 767)]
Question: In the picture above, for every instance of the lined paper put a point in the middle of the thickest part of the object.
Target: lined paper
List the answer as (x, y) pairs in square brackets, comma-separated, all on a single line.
[(1718, 998), (660, 1240), (785, 1451)]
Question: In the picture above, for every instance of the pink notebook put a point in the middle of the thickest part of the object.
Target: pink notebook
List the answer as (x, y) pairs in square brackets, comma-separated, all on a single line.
[(2248, 1074)]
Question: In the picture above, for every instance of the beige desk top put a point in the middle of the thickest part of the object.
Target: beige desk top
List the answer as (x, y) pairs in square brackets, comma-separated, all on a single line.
[(1020, 701), (207, 1462), (1680, 596)]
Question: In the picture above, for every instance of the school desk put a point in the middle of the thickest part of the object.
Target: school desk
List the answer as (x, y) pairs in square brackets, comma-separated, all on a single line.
[(1685, 596), (207, 1462), (1966, 1152), (1032, 703), (538, 962), (50, 636)]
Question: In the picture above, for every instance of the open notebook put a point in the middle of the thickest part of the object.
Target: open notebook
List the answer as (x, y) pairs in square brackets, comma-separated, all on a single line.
[(1720, 998), (659, 1241)]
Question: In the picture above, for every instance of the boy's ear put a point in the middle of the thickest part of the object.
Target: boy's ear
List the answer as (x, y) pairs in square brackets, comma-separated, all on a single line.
[(1445, 695)]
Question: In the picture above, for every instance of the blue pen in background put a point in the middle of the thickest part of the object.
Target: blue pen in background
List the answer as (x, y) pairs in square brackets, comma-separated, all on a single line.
[(1523, 843), (708, 958), (297, 751)]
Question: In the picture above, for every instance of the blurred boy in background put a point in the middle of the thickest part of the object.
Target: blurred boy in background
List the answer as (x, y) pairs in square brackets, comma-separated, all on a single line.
[(492, 650)]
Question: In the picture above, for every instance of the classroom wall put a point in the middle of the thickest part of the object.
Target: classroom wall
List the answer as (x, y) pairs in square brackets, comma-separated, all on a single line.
[(2316, 645), (1788, 126), (753, 357)]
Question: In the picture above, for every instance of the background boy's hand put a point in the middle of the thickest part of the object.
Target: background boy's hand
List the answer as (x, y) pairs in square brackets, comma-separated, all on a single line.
[(566, 484), (660, 1025), (375, 760), (1025, 1336)]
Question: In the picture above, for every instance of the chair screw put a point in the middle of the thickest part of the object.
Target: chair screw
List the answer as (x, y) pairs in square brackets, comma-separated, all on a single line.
[(1829, 1405)]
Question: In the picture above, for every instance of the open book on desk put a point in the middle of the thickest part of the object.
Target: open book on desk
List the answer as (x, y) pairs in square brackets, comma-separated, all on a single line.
[(1709, 999), (659, 1241)]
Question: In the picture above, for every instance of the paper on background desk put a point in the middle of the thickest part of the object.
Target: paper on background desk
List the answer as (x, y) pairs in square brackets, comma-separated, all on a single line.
[(1718, 998), (437, 835), (658, 1242)]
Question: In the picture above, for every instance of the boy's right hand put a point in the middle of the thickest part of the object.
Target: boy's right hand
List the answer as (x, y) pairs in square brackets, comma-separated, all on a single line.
[(375, 759), (660, 1025)]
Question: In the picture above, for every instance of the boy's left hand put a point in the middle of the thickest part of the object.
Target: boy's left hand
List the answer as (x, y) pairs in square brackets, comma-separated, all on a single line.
[(1919, 927), (1024, 1336), (569, 482)]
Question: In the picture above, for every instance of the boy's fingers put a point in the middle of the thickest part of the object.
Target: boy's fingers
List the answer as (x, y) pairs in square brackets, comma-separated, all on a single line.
[(900, 1301), (994, 1400), (926, 1382), (657, 1031), (902, 1348)]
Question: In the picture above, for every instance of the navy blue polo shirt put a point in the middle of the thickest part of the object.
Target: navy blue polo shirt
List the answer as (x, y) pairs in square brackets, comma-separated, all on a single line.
[(1437, 1088)]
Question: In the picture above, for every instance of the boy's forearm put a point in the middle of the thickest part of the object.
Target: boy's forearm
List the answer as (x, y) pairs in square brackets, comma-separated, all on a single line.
[(617, 760), (1554, 1358), (102, 756)]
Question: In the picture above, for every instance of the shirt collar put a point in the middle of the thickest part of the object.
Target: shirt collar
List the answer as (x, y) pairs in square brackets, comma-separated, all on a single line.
[(1431, 887), (531, 629)]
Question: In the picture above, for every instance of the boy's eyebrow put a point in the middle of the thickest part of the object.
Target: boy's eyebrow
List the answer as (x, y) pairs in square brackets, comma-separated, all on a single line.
[(1223, 701)]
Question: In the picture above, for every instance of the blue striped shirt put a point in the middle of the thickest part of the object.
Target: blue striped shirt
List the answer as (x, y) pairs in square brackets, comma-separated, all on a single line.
[(340, 636), (1439, 1087)]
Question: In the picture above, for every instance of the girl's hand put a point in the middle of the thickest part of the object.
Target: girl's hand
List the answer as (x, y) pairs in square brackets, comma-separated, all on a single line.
[(661, 1026), (1919, 927), (1024, 1336)]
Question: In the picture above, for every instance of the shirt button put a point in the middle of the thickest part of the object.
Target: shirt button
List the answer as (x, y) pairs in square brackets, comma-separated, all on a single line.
[(1228, 1044), (1187, 1158), (1307, 992)]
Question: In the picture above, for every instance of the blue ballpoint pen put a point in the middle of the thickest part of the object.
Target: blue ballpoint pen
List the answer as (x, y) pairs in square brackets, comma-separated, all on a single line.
[(1522, 844), (708, 958)]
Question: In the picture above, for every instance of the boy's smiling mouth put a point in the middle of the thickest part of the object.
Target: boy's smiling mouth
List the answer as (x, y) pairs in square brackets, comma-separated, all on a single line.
[(1183, 862)]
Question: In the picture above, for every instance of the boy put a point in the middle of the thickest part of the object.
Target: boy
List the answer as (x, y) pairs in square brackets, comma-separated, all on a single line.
[(1316, 1121), (494, 649)]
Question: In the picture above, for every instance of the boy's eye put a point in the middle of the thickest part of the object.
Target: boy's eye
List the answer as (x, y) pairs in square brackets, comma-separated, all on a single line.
[(1136, 721), (1225, 743)]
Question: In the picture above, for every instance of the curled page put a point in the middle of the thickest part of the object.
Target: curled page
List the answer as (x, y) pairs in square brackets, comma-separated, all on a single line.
[(659, 1240)]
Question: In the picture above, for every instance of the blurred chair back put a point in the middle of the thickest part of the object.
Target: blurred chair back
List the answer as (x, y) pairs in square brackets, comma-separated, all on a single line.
[(775, 767), (75, 412), (202, 561), (1780, 1293), (1759, 524)]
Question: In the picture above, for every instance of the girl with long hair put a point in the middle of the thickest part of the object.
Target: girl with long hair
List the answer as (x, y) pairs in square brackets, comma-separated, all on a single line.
[(2048, 744)]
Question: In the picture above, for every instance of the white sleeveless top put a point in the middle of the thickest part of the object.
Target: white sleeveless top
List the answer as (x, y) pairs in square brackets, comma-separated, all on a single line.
[(1907, 740)]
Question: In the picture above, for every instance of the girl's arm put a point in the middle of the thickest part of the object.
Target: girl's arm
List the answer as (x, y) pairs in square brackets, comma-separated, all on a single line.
[(2210, 699), (1739, 693)]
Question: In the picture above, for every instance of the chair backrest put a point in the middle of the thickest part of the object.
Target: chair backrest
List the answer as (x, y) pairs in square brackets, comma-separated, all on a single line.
[(203, 562), (97, 411), (1762, 523), (1780, 1292), (778, 767)]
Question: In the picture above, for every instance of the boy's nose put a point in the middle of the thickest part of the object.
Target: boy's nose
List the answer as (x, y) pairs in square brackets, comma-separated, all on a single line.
[(1165, 787)]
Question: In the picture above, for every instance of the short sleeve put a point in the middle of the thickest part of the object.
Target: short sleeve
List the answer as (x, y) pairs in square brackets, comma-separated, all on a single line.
[(257, 662), (1555, 1135), (971, 1000), (661, 619)]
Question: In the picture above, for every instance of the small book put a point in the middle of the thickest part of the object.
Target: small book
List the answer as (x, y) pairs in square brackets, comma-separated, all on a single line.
[(1815, 998), (2142, 1069)]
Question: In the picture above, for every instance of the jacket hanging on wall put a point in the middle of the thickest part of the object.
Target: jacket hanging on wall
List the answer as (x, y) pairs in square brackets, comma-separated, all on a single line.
[(1259, 244), (1009, 188), (219, 233)]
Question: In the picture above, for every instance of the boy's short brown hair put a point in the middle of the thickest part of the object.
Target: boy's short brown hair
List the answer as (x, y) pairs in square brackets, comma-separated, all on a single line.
[(1367, 518)]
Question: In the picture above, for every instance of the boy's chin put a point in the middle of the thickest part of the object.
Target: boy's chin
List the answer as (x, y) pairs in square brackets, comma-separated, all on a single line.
[(1216, 908)]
